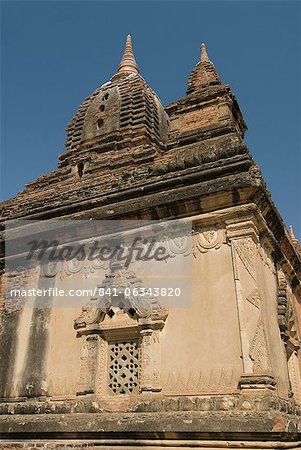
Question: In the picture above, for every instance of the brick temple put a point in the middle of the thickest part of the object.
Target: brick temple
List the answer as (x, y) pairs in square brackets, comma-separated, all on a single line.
[(222, 373)]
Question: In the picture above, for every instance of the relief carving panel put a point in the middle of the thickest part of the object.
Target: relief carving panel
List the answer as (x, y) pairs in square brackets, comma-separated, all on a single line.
[(205, 240)]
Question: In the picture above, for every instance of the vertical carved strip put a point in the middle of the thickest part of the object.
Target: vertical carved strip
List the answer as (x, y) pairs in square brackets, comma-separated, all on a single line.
[(83, 366), (294, 375), (247, 362), (102, 368), (89, 353), (242, 237), (150, 360), (145, 360), (258, 351), (156, 360)]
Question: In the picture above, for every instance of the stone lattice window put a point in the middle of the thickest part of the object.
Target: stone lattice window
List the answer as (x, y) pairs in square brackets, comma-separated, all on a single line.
[(123, 367)]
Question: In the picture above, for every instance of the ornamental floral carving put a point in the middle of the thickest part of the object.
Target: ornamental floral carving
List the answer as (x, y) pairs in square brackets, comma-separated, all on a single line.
[(85, 267), (74, 265), (124, 281), (180, 245), (205, 240), (52, 268)]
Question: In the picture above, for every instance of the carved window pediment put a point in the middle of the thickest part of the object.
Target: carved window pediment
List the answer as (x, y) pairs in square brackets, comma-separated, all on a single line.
[(118, 291), (127, 332)]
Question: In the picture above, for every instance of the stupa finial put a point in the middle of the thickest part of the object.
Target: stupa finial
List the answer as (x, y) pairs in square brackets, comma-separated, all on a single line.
[(204, 54), (291, 232), (204, 74), (128, 63)]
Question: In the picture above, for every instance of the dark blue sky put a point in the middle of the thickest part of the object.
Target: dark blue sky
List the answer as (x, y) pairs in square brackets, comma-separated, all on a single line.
[(55, 53)]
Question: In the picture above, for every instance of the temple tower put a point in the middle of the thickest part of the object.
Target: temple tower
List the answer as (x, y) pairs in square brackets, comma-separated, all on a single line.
[(223, 372)]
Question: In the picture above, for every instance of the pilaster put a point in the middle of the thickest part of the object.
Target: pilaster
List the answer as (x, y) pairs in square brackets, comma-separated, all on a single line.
[(243, 237)]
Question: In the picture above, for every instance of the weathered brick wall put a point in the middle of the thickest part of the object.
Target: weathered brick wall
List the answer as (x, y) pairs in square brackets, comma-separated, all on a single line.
[(199, 118)]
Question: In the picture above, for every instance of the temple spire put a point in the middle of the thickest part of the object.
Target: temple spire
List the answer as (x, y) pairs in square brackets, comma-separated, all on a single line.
[(292, 235), (203, 75), (128, 63), (204, 54)]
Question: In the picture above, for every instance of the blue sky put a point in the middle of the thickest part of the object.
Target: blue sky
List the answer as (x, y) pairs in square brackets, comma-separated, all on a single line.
[(54, 54)]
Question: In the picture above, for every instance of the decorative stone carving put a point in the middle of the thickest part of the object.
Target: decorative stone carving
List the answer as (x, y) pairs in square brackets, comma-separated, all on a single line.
[(240, 253), (88, 364), (85, 266), (254, 298), (150, 360), (74, 266), (258, 373), (123, 367), (294, 375), (205, 240), (265, 255), (258, 351), (180, 245), (245, 249), (124, 281), (102, 368), (91, 313), (195, 382), (121, 326), (52, 268)]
